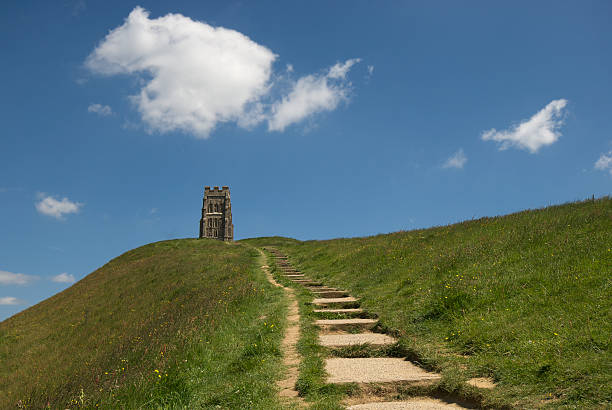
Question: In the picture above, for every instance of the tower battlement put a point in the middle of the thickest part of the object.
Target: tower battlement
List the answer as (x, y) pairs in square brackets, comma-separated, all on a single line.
[(216, 189), (216, 221)]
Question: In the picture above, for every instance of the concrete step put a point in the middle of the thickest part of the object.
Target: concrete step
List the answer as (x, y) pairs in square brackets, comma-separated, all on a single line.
[(356, 339), (346, 324), (334, 301), (346, 311), (330, 293), (417, 403), (375, 370)]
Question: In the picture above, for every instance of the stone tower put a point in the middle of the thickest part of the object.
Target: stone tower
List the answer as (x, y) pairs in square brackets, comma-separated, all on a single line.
[(216, 219)]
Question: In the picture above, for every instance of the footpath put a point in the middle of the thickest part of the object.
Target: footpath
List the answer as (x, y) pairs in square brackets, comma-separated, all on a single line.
[(346, 327)]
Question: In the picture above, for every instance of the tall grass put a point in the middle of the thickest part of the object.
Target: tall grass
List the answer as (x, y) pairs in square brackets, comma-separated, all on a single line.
[(178, 323), (525, 299)]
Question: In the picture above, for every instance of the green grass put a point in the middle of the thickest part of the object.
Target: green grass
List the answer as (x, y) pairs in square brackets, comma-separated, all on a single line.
[(174, 324), (525, 299)]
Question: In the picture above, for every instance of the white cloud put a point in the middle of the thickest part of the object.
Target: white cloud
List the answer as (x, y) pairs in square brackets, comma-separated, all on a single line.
[(48, 205), (370, 69), (102, 110), (196, 76), (63, 278), (312, 94), (9, 278), (604, 162), (9, 300), (457, 160), (339, 70), (532, 134), (199, 75)]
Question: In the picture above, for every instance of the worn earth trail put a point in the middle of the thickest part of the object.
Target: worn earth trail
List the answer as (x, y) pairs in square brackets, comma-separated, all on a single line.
[(291, 358), (380, 378)]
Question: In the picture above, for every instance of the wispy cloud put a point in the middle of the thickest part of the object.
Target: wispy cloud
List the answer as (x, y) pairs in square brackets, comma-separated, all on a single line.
[(457, 160), (202, 76), (604, 163), (540, 130), (48, 205), (10, 300), (64, 278), (312, 94), (10, 278), (101, 110)]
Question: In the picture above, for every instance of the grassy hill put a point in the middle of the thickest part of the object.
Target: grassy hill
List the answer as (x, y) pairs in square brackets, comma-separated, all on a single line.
[(183, 323), (525, 299)]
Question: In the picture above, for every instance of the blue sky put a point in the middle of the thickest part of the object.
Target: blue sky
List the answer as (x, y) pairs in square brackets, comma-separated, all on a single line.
[(326, 119)]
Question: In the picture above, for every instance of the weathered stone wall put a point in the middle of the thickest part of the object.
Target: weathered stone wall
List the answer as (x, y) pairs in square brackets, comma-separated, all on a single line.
[(216, 221)]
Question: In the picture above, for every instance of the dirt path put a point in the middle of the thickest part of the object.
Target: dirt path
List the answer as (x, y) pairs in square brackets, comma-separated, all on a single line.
[(291, 358)]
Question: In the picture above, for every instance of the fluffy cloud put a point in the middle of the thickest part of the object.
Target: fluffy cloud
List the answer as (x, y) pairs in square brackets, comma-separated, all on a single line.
[(9, 278), (532, 134), (9, 300), (605, 162), (102, 110), (312, 94), (48, 205), (63, 278), (196, 76), (457, 160), (199, 75)]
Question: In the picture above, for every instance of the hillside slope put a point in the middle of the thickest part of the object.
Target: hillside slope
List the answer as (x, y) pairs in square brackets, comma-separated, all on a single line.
[(525, 299), (183, 323)]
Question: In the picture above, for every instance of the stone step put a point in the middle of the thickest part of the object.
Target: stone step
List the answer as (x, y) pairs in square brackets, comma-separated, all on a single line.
[(300, 275), (330, 293), (417, 403), (346, 324), (320, 288), (306, 282), (334, 301), (375, 370), (347, 311), (356, 339)]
